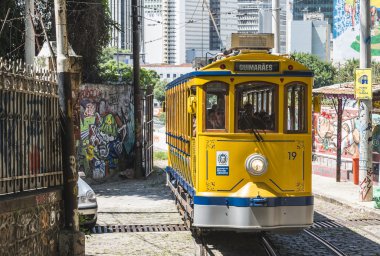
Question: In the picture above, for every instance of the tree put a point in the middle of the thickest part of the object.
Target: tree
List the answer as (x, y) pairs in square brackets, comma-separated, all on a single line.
[(12, 37), (324, 72), (159, 90), (89, 26), (346, 72), (115, 72)]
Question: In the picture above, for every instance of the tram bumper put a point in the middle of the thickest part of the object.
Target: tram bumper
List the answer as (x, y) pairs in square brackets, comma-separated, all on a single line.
[(278, 214)]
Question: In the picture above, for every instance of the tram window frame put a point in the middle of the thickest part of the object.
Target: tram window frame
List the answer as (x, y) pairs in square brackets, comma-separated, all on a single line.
[(272, 108), (290, 127), (193, 117), (205, 109)]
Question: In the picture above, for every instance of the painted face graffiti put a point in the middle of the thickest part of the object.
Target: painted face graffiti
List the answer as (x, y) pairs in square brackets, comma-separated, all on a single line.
[(90, 110)]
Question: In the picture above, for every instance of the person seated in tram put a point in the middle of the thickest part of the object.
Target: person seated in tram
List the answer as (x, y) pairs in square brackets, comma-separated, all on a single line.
[(215, 119)]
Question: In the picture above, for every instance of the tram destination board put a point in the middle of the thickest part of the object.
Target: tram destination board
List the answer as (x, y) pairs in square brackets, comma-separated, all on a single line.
[(257, 66)]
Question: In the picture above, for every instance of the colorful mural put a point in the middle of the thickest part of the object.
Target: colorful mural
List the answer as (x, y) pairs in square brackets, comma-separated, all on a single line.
[(346, 29), (106, 129), (325, 123)]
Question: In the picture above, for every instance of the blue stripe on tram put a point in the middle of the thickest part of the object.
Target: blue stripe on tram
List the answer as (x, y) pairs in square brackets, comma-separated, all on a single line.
[(255, 201)]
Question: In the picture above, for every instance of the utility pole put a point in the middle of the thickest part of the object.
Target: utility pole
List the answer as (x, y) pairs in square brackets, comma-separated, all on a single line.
[(30, 49), (365, 110), (136, 90), (71, 241), (276, 25)]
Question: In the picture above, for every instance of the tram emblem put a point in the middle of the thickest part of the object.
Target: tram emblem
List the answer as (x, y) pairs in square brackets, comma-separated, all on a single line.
[(222, 163)]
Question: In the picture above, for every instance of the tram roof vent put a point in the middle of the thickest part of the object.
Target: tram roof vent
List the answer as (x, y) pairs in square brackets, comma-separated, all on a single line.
[(252, 41)]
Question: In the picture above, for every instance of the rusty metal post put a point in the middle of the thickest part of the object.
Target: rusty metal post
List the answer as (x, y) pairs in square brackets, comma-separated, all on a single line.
[(136, 90)]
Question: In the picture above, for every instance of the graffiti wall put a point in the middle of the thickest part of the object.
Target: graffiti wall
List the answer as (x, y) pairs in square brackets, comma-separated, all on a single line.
[(325, 123), (105, 130), (325, 141), (346, 29)]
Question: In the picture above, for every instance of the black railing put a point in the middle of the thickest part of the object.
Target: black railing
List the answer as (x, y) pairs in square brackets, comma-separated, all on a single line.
[(30, 142)]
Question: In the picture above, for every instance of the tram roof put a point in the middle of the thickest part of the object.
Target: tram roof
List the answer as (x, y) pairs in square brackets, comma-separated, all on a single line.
[(193, 74), (260, 57)]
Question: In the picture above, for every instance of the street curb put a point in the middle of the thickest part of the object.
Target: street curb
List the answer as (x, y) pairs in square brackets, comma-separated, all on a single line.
[(345, 204)]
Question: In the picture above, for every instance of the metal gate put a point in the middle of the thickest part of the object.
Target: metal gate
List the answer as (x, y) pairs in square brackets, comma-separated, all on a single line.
[(147, 101)]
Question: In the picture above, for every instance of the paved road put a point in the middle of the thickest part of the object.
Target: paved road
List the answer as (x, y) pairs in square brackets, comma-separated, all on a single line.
[(142, 202)]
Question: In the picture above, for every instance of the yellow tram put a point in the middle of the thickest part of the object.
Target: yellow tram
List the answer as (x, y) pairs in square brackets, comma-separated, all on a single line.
[(239, 140)]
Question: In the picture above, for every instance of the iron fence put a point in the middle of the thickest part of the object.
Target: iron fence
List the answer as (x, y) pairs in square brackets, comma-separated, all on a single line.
[(148, 131), (30, 142)]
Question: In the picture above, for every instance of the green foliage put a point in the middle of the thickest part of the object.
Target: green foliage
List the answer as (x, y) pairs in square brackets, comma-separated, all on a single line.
[(109, 52), (159, 90), (112, 71), (324, 72), (160, 155), (148, 78), (346, 72), (82, 227), (89, 24)]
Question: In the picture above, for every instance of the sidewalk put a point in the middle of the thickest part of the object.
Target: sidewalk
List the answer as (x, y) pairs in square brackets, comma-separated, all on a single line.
[(342, 193)]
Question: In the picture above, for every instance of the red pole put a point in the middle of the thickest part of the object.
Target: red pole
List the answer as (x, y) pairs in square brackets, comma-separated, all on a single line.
[(355, 168)]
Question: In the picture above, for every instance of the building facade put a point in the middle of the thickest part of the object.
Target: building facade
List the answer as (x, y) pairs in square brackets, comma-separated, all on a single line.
[(121, 13), (169, 72), (185, 30), (311, 6), (255, 16), (224, 19), (311, 36), (153, 28)]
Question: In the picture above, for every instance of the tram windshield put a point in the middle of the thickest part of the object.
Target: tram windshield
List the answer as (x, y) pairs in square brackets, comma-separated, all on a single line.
[(256, 103)]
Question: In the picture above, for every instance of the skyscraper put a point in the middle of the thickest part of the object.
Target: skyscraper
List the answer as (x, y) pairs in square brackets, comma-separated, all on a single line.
[(121, 13), (255, 16), (307, 6), (224, 19), (185, 30), (153, 31)]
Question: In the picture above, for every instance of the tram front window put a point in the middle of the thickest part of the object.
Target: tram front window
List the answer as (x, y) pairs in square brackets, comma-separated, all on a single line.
[(256, 103), (216, 106)]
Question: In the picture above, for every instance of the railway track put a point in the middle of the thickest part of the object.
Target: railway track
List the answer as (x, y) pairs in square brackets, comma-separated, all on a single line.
[(357, 223), (269, 248), (326, 243)]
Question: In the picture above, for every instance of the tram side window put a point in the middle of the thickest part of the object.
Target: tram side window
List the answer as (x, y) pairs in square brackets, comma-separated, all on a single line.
[(296, 108), (216, 106), (256, 106), (193, 91)]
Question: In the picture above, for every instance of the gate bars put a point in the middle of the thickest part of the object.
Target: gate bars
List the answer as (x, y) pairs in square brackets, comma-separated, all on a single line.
[(30, 142)]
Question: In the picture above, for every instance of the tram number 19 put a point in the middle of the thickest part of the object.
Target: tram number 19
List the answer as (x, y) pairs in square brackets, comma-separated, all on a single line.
[(292, 155)]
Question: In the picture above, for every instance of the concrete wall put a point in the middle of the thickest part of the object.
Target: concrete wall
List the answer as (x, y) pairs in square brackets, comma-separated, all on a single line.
[(106, 129), (30, 223)]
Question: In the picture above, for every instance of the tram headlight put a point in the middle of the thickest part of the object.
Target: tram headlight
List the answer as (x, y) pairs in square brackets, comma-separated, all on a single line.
[(256, 164)]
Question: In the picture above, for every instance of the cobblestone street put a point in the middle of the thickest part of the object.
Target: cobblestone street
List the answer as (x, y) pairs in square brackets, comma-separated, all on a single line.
[(149, 202), (140, 202)]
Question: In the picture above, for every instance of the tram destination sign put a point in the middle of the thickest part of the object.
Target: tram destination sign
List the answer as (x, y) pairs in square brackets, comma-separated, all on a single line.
[(257, 66)]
